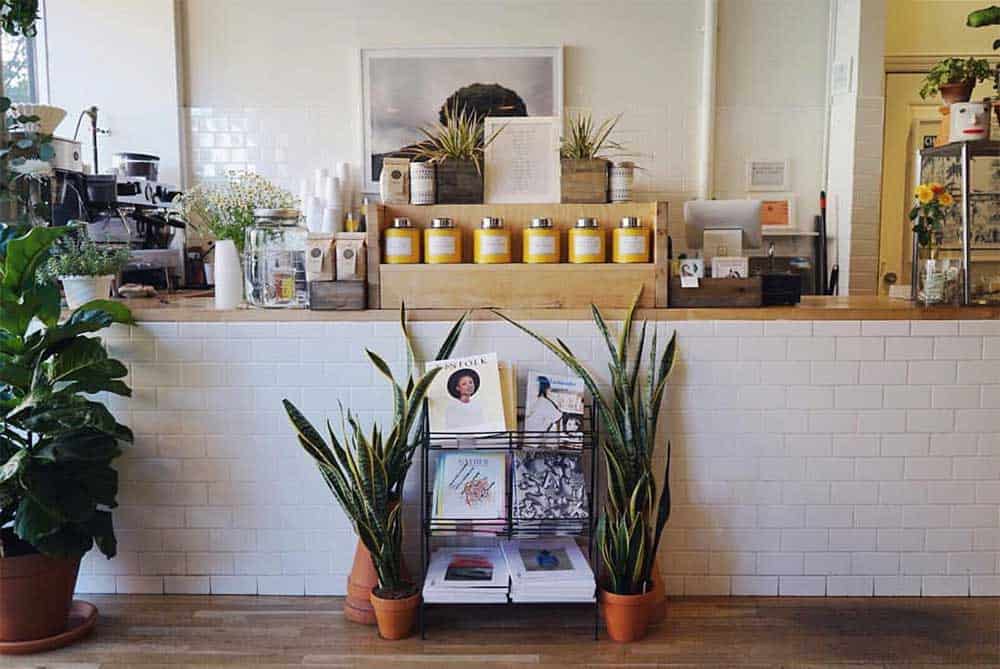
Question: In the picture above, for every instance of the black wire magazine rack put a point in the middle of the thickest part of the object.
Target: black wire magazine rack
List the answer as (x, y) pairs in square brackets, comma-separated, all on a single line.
[(583, 443)]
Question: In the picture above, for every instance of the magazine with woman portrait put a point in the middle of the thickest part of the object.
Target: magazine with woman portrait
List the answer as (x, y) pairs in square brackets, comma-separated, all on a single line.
[(466, 395), (554, 404)]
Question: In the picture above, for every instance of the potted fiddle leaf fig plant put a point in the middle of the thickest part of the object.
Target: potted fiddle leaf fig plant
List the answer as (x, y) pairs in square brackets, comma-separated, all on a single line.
[(366, 473), (636, 508), (57, 441)]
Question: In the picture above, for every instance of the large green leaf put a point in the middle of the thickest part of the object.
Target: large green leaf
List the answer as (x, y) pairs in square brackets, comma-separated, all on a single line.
[(13, 466), (83, 445), (85, 361), (24, 254)]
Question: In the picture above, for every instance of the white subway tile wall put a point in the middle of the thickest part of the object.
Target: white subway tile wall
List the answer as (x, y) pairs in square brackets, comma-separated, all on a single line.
[(788, 477)]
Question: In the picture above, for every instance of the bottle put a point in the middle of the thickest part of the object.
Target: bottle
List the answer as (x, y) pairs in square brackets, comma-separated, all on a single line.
[(491, 243), (541, 242), (363, 219), (586, 242), (630, 242), (402, 243), (442, 243)]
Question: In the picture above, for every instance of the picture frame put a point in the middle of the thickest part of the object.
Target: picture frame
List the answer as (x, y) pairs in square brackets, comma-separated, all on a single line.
[(767, 175), (732, 267), (522, 165), (691, 267), (404, 89)]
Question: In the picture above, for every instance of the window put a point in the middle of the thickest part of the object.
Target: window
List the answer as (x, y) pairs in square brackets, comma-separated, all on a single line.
[(24, 72)]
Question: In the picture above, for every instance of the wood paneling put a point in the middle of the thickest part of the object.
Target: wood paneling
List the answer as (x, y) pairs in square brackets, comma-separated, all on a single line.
[(146, 631)]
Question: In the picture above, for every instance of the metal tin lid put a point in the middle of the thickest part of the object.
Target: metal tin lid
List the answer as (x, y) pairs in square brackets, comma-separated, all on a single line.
[(401, 223), (631, 222), (439, 223), (586, 222), (286, 216), (492, 223), (541, 223)]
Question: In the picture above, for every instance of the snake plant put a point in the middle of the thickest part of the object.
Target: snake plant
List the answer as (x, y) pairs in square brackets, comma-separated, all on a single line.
[(460, 137), (636, 509), (366, 472)]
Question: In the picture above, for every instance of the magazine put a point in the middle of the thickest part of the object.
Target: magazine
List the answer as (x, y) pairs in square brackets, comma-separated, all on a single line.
[(466, 395), (467, 575), (554, 405), (548, 570), (549, 490), (470, 485)]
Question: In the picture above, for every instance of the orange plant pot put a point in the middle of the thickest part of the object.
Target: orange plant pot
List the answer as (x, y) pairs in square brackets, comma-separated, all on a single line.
[(659, 601), (360, 582), (36, 592), (395, 617), (627, 616)]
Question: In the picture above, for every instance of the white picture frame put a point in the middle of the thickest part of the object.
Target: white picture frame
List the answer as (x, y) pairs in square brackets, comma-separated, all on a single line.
[(522, 164), (403, 89), (767, 175)]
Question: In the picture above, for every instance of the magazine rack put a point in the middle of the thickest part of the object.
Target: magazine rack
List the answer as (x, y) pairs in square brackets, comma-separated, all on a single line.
[(518, 441)]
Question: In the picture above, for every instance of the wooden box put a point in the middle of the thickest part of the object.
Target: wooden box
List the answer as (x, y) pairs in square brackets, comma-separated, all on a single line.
[(584, 181), (716, 293), (458, 182), (519, 285), (338, 295)]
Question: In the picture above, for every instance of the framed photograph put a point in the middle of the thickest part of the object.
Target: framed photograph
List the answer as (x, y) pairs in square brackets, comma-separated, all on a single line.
[(777, 211), (522, 164), (691, 267), (403, 90), (767, 175), (732, 267)]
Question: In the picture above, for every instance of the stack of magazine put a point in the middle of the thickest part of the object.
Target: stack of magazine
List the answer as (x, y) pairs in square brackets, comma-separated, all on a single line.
[(466, 576), (549, 492), (530, 570), (548, 570)]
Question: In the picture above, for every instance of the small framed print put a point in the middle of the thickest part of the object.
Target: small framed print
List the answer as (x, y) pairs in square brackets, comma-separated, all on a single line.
[(731, 267), (767, 175), (691, 267), (777, 211)]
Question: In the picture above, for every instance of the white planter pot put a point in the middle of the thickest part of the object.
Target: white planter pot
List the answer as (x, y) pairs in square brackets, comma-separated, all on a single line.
[(228, 276), (82, 289)]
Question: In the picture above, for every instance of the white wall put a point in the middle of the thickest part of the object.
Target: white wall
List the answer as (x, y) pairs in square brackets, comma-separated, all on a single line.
[(279, 91), (810, 458), (120, 56)]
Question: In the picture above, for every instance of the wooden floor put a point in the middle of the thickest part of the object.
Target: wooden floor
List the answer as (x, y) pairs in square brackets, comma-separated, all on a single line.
[(147, 631)]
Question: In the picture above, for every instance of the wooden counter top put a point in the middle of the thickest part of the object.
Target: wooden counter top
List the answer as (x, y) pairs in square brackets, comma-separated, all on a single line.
[(196, 306)]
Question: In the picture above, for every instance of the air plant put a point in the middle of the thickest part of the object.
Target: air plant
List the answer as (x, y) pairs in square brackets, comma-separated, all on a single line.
[(584, 141), (366, 471), (460, 137), (636, 510)]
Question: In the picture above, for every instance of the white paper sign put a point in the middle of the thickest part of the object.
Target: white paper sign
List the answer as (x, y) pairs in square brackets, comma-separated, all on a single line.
[(522, 163)]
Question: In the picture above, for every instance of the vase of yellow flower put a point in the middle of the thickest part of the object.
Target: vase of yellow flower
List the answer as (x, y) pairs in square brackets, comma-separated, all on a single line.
[(938, 277)]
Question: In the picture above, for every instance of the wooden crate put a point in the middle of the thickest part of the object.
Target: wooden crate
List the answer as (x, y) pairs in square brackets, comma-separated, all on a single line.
[(717, 293), (518, 285), (458, 182), (584, 181)]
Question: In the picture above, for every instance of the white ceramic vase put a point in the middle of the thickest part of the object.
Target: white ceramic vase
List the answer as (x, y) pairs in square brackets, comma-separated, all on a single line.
[(228, 276), (82, 289)]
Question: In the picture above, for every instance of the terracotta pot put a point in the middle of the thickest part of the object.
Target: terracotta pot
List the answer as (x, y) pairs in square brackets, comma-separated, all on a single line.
[(395, 616), (36, 592), (627, 616), (361, 580), (659, 601), (960, 92)]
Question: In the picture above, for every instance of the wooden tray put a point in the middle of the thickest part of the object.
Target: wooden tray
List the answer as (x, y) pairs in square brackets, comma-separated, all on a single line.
[(554, 286), (717, 293)]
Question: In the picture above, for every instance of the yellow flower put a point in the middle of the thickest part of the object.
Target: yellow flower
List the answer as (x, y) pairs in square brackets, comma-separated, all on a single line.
[(946, 199), (924, 193)]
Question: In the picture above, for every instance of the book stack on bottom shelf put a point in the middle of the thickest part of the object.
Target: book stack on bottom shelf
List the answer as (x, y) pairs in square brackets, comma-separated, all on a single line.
[(548, 570), (466, 575)]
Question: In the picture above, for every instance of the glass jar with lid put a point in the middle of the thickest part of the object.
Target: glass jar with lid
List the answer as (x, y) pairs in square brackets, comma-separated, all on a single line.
[(275, 260)]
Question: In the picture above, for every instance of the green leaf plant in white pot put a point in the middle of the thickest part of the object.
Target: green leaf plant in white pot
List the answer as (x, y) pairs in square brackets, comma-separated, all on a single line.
[(57, 440), (85, 268)]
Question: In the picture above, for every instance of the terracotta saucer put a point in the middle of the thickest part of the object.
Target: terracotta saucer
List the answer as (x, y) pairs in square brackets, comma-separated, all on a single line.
[(82, 618)]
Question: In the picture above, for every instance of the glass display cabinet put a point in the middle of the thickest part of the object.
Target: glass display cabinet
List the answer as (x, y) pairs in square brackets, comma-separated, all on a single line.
[(971, 173)]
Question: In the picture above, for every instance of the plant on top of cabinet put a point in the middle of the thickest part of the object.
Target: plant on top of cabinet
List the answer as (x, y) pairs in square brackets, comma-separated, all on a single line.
[(85, 268), (366, 473), (456, 148), (988, 16), (954, 79), (636, 509), (57, 442), (584, 166)]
